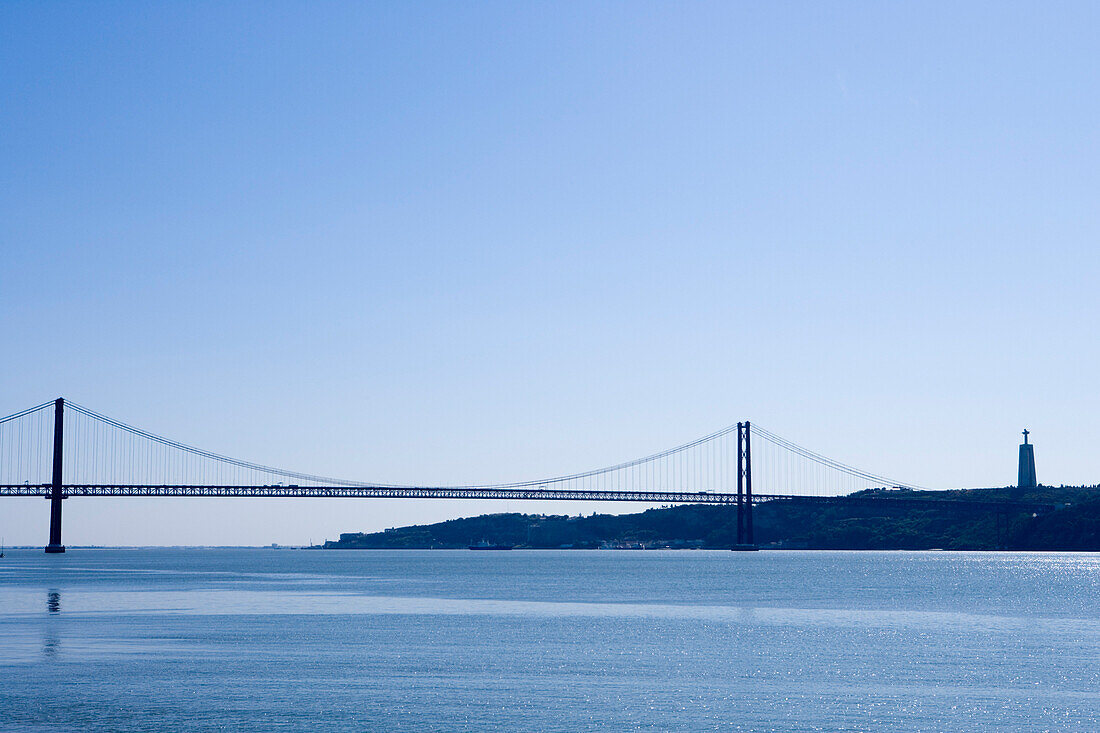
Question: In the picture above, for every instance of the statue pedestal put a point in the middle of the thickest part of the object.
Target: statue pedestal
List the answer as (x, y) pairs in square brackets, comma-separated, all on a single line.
[(1027, 478)]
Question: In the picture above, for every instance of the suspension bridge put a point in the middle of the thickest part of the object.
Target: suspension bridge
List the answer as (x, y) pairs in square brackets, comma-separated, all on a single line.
[(60, 450)]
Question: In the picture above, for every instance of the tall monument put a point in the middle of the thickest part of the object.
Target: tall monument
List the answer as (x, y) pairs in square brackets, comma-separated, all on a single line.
[(1027, 464)]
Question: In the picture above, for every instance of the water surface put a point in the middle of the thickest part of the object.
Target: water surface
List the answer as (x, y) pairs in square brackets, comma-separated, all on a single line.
[(267, 640)]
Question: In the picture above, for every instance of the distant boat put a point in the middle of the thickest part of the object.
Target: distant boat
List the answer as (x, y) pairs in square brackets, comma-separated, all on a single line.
[(1, 548), (483, 545)]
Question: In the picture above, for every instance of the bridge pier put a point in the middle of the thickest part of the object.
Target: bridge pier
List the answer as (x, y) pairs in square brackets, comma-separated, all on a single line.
[(56, 495)]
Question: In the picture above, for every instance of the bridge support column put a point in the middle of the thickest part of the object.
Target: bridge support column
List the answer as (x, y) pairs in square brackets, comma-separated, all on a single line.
[(740, 484), (748, 486), (55, 488), (744, 489)]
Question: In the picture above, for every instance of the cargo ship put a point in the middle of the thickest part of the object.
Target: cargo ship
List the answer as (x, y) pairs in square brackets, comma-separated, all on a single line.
[(483, 545)]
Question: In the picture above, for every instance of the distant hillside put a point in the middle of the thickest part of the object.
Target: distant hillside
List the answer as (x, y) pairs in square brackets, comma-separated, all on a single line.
[(846, 525)]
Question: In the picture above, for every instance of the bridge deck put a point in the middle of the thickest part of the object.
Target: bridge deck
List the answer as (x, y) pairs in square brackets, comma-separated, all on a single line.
[(539, 494)]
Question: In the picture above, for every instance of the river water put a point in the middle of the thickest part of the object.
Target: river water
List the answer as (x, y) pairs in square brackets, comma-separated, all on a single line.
[(295, 640)]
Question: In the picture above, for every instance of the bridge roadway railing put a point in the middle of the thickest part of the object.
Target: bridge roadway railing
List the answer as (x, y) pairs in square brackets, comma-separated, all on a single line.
[(543, 494), (375, 492)]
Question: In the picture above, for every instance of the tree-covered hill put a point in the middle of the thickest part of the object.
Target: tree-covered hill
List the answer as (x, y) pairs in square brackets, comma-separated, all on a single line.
[(854, 524)]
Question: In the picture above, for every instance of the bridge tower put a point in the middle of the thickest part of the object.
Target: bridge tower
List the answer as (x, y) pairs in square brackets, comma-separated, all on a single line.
[(1027, 478), (55, 487), (740, 483), (744, 488)]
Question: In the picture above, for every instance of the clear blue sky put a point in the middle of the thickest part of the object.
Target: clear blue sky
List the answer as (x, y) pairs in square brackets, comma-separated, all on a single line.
[(450, 242)]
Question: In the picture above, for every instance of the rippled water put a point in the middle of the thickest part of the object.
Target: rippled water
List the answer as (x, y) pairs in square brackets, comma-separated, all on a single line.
[(266, 640)]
